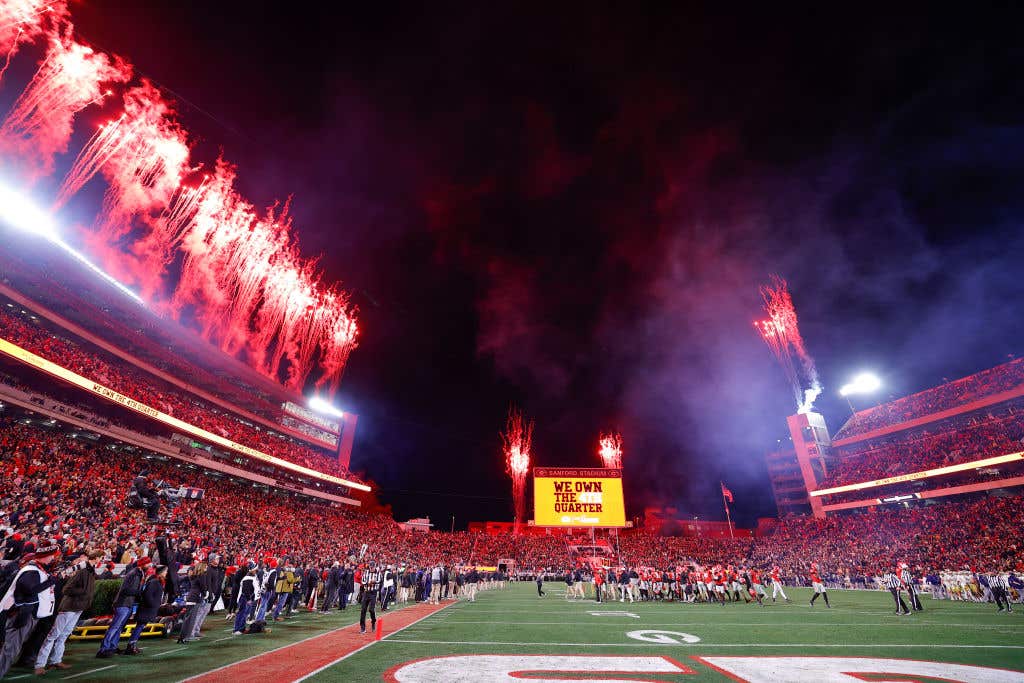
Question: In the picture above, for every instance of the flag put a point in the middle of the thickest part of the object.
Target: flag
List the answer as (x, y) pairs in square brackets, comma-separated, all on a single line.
[(726, 493)]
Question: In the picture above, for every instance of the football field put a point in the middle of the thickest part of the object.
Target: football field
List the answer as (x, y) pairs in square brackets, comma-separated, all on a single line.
[(514, 634)]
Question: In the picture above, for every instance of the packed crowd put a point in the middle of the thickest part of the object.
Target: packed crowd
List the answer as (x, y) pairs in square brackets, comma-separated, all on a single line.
[(62, 500), (153, 392), (74, 490), (950, 395), (964, 438)]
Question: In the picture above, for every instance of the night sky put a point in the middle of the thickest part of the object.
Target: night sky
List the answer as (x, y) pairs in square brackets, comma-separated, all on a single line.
[(571, 208)]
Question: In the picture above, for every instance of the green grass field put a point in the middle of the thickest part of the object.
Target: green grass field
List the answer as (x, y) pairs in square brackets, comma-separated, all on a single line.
[(547, 636)]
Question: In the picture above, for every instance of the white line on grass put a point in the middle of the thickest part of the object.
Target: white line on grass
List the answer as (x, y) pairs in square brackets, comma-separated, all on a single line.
[(608, 624), (344, 657), (90, 671), (703, 644)]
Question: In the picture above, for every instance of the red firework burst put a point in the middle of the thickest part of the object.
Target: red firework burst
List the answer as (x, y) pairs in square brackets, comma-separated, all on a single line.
[(517, 441), (610, 450)]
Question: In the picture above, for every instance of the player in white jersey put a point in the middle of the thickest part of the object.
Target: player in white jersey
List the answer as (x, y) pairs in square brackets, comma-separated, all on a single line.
[(777, 584)]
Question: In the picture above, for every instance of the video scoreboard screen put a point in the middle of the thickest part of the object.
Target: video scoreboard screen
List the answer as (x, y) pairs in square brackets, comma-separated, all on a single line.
[(574, 497)]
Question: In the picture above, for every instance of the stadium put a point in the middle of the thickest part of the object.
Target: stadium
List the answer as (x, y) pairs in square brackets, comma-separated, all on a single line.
[(190, 491)]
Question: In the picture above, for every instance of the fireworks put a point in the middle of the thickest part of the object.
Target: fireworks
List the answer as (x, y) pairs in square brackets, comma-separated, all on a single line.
[(610, 450), (71, 77), (781, 333), (517, 442), (22, 21), (241, 273)]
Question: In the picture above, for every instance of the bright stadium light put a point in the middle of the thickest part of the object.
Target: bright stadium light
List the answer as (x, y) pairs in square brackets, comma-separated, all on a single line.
[(21, 213), (322, 406), (864, 383)]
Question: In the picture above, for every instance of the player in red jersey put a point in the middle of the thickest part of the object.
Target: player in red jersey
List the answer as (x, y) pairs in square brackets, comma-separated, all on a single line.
[(756, 589), (818, 586)]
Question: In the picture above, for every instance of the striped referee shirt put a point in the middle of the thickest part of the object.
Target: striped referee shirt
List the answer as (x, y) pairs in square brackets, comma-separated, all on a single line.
[(371, 579), (907, 579), (891, 581), (999, 581)]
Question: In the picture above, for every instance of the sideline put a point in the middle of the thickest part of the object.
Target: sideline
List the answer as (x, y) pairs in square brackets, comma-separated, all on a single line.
[(301, 659)]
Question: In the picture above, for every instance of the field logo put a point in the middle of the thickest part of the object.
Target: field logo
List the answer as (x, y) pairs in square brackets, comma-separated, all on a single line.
[(663, 637), (499, 668), (852, 669)]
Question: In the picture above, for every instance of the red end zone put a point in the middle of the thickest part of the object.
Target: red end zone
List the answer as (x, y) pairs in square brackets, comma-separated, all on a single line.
[(297, 661)]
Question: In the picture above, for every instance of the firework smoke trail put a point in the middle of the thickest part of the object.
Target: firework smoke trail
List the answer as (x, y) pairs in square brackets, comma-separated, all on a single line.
[(71, 77), (342, 331), (610, 450), (782, 334), (143, 155), (251, 290), (517, 440), (22, 21)]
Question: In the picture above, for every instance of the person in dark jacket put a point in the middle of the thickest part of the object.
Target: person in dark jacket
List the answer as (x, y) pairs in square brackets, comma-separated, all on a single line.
[(150, 599), (310, 584), (167, 555), (76, 597), (146, 496), (214, 581), (127, 596), (333, 586), (348, 585), (198, 593)]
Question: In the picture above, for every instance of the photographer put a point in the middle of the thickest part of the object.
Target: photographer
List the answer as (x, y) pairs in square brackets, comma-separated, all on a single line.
[(76, 597), (30, 598)]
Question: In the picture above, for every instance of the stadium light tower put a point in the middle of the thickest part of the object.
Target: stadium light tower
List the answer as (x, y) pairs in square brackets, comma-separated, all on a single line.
[(864, 383), (322, 406)]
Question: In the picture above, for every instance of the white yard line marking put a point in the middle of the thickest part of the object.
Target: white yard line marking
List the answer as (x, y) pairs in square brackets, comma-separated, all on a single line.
[(372, 642), (894, 624), (91, 671), (704, 644)]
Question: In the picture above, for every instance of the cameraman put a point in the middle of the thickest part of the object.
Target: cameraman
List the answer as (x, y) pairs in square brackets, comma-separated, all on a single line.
[(147, 497)]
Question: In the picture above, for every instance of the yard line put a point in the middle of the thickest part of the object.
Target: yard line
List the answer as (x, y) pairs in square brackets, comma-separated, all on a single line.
[(618, 624), (703, 644), (346, 656), (91, 671)]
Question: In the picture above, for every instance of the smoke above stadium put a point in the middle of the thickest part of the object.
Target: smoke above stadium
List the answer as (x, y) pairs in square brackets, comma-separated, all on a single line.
[(175, 227)]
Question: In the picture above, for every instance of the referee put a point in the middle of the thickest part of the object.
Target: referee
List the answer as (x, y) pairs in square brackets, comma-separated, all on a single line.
[(908, 583), (891, 581), (371, 584), (1000, 591)]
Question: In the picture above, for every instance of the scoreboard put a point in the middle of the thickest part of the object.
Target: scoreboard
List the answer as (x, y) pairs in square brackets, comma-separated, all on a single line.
[(578, 497)]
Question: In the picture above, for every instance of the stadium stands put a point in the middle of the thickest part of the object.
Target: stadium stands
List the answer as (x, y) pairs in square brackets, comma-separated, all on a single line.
[(950, 395), (96, 365), (74, 489), (961, 439)]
